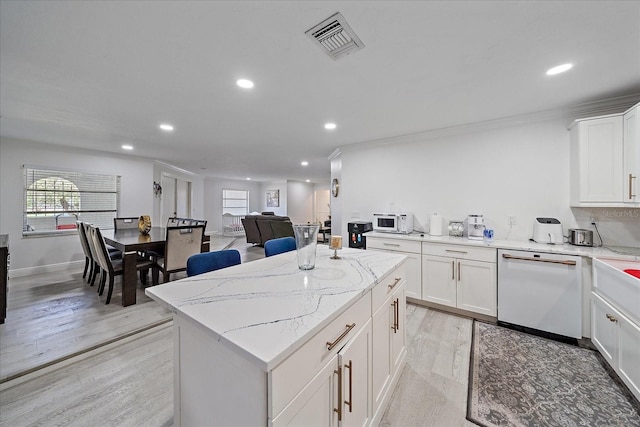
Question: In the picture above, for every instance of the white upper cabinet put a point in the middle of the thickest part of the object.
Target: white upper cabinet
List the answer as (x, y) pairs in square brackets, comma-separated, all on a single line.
[(605, 158), (631, 126)]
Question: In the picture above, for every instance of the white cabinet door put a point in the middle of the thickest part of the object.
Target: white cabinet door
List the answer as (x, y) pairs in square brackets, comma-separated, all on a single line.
[(629, 354), (597, 161), (439, 280), (603, 329), (477, 287), (381, 376), (413, 265), (398, 332), (631, 180), (355, 360), (316, 405), (389, 337)]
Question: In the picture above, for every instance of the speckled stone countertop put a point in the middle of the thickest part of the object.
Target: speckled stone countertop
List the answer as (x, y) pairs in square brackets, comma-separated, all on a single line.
[(565, 249)]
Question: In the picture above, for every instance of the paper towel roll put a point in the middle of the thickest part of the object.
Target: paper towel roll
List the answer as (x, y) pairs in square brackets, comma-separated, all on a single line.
[(435, 225)]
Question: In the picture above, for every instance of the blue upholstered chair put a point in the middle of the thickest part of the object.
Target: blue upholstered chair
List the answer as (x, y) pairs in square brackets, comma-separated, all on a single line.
[(278, 246), (210, 261)]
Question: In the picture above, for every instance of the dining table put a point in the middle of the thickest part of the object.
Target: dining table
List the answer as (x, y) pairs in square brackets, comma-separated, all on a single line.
[(130, 242)]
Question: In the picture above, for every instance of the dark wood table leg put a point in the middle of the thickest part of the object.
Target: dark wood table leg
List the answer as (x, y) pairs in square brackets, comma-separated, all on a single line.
[(129, 278)]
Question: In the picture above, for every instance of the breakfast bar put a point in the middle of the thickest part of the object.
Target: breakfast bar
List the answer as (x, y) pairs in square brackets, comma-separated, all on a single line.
[(265, 343)]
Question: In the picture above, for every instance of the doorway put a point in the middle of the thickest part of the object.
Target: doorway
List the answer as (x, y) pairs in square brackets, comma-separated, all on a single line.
[(176, 198)]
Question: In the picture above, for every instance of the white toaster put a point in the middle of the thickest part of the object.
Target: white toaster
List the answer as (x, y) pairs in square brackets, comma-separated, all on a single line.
[(547, 230)]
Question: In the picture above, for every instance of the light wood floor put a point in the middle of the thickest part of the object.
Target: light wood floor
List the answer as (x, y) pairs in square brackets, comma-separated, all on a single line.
[(53, 315), (130, 382)]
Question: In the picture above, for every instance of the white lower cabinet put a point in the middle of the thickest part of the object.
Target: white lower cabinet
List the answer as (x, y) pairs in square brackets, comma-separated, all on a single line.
[(413, 267), (461, 277), (355, 384), (340, 394), (618, 340), (388, 345)]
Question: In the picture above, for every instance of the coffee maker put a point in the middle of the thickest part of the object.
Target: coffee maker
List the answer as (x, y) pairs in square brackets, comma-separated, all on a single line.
[(475, 227)]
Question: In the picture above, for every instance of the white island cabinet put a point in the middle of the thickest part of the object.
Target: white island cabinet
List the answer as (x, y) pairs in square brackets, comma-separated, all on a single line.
[(266, 344)]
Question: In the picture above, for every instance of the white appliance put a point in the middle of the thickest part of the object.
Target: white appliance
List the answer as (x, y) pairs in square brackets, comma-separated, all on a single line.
[(475, 227), (547, 230), (540, 291), (393, 222)]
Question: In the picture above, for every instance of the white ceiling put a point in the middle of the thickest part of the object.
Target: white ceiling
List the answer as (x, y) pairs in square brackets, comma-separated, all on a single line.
[(100, 74)]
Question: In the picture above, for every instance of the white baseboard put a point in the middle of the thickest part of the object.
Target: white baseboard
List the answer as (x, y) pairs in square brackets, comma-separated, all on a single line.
[(51, 268)]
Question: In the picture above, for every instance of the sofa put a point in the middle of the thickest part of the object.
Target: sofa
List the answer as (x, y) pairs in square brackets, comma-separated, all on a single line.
[(260, 228)]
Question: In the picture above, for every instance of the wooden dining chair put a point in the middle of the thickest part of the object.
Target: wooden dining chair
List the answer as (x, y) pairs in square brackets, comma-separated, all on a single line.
[(180, 244), (96, 268), (113, 267), (211, 261), (88, 258), (125, 223)]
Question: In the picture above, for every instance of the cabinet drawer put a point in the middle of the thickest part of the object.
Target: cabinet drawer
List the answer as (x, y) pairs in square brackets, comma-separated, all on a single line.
[(461, 252), (387, 286), (393, 245), (288, 378)]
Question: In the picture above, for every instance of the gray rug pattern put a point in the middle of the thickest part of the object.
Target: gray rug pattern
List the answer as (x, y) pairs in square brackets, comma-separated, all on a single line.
[(517, 379)]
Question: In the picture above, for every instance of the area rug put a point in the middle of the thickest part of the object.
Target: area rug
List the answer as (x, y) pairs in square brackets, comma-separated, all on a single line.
[(518, 379)]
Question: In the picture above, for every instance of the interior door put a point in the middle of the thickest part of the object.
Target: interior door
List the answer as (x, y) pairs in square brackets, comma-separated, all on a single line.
[(176, 198)]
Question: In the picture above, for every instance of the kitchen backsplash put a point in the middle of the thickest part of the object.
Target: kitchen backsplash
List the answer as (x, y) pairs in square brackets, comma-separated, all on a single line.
[(617, 226)]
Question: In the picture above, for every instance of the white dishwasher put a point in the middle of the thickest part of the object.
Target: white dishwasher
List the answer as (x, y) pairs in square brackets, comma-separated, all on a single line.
[(541, 291)]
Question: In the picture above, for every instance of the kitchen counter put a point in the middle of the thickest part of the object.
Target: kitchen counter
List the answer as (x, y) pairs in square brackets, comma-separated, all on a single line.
[(566, 249), (266, 309)]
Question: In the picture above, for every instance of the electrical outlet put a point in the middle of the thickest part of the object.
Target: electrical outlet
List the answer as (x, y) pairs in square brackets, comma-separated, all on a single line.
[(513, 220)]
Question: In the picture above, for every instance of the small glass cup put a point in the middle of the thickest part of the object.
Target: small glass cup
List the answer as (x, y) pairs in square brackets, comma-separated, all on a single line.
[(336, 244), (306, 243)]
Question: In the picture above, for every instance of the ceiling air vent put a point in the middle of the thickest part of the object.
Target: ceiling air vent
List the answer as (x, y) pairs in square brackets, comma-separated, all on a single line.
[(335, 36)]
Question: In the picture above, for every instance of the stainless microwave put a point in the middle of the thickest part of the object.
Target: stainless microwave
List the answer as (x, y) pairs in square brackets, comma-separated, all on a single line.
[(393, 222)]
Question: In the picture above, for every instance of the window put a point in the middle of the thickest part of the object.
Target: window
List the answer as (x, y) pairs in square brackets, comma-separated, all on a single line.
[(55, 199), (235, 202)]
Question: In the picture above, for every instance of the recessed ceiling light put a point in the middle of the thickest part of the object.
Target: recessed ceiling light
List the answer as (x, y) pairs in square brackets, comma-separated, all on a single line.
[(127, 147), (166, 127), (559, 69), (330, 126), (248, 179), (304, 163), (244, 83), (308, 180)]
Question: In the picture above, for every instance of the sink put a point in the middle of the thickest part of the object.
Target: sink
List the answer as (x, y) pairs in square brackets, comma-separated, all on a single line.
[(623, 289)]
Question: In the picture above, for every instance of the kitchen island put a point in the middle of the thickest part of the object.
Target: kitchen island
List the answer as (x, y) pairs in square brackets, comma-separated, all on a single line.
[(265, 343)]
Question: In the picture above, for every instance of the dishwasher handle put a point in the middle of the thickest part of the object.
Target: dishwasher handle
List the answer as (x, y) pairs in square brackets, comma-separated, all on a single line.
[(553, 261)]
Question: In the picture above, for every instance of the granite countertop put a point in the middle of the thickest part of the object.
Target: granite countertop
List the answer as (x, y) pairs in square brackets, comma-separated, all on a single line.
[(565, 249), (266, 309)]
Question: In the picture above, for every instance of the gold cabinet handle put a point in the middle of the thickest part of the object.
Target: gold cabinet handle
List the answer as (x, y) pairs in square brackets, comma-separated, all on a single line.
[(631, 178), (453, 270), (394, 326), (552, 261), (395, 282), (397, 316), (392, 244), (350, 401), (611, 318), (459, 277), (330, 345), (339, 408), (456, 252)]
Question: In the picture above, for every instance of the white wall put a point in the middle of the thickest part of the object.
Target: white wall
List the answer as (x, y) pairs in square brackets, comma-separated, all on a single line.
[(197, 190), (274, 185), (37, 254), (300, 202), (520, 171), (213, 199)]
